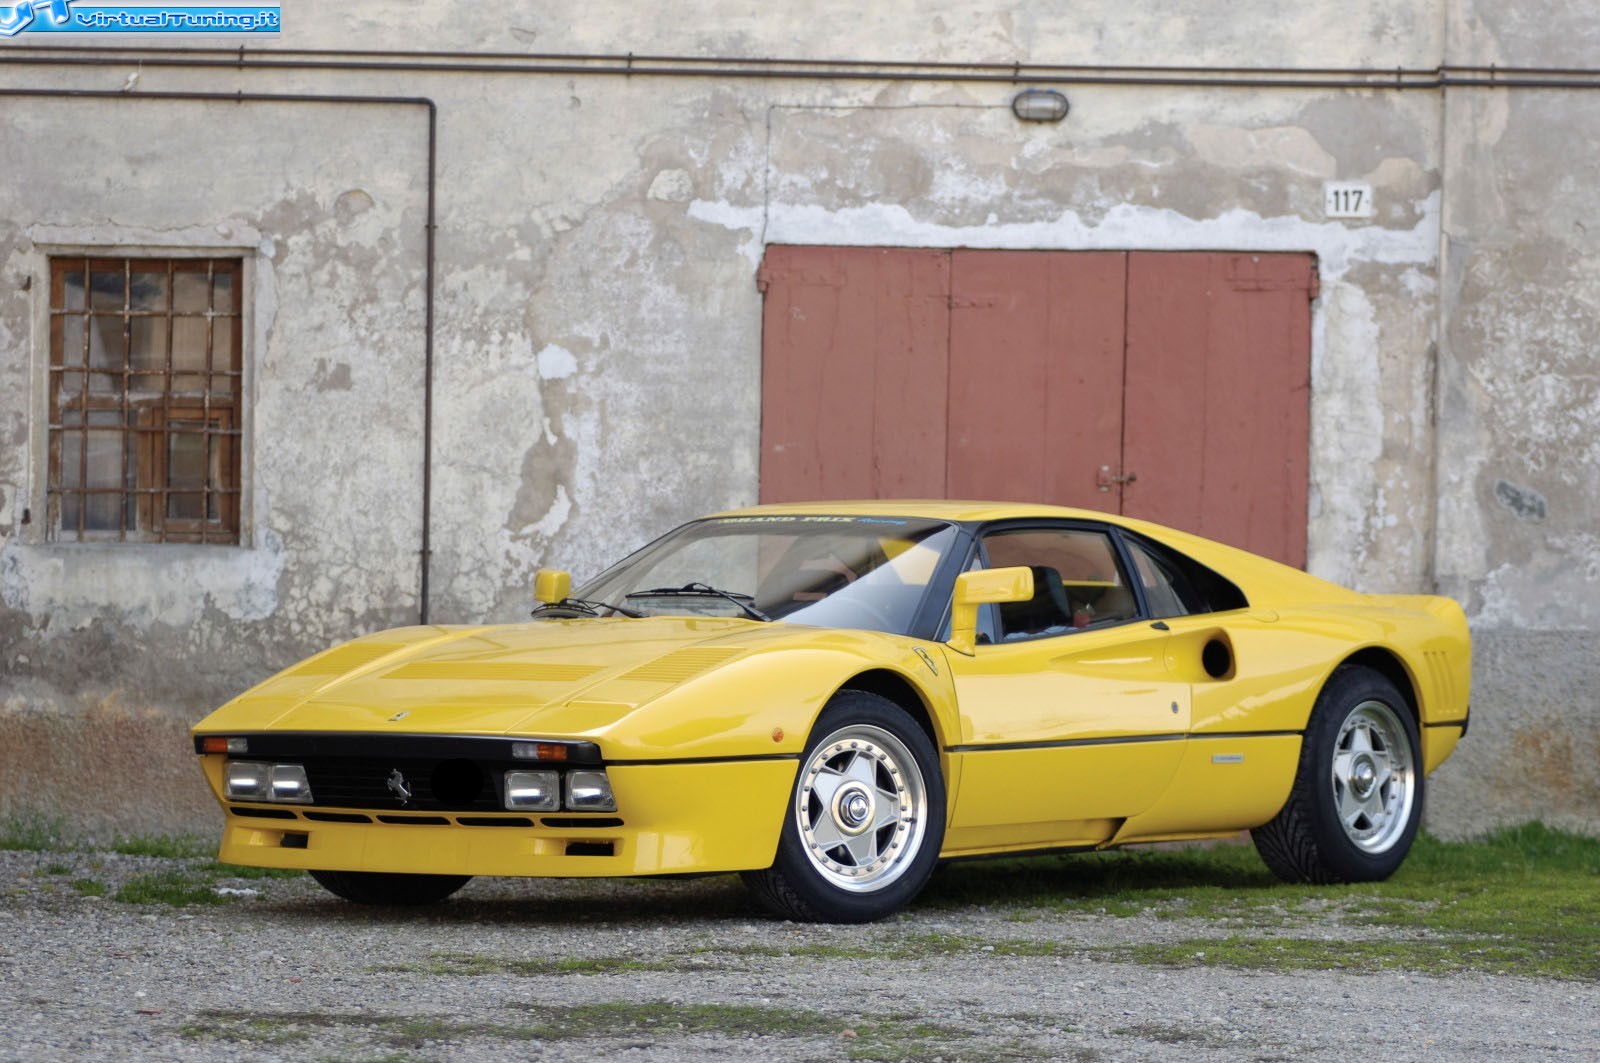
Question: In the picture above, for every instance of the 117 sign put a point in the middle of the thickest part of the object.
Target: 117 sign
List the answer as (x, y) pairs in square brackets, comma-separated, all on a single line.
[(1348, 199)]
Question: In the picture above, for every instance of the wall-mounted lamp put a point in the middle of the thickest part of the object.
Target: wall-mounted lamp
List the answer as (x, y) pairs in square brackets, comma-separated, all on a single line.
[(1039, 105)]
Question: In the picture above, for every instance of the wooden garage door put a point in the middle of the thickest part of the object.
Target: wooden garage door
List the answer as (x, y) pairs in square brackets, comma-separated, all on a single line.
[(1171, 386)]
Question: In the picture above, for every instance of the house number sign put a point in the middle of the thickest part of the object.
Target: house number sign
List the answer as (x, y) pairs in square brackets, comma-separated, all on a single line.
[(1348, 199)]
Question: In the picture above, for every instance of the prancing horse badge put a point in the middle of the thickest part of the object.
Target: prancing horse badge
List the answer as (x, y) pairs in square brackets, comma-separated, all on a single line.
[(398, 786)]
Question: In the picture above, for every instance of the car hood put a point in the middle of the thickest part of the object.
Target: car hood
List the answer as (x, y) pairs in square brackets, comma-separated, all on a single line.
[(549, 677)]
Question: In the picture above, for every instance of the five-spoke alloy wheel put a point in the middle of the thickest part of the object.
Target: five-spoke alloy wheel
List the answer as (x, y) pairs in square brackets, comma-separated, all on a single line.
[(1356, 802), (866, 818)]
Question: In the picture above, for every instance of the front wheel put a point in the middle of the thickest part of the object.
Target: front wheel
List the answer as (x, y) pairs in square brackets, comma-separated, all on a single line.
[(1357, 798), (377, 887), (865, 820)]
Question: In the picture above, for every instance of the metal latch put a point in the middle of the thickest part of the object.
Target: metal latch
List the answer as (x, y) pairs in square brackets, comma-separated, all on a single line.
[(1106, 479)]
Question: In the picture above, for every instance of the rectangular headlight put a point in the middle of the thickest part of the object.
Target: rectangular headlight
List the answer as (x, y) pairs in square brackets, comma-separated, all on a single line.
[(289, 783), (249, 780), (533, 791), (589, 791), (245, 780)]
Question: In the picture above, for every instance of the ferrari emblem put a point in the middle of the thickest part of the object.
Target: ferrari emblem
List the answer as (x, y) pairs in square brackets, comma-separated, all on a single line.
[(398, 786)]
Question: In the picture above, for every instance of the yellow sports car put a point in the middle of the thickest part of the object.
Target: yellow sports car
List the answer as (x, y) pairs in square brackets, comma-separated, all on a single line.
[(831, 697)]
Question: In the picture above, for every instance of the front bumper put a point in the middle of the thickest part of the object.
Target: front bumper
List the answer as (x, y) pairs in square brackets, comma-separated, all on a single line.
[(672, 818)]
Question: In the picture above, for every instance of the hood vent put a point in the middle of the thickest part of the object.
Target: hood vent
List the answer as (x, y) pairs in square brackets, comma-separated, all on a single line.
[(504, 671), (346, 659), (680, 665)]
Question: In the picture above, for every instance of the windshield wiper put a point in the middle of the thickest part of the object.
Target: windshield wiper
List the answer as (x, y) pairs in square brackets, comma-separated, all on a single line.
[(583, 605), (702, 590)]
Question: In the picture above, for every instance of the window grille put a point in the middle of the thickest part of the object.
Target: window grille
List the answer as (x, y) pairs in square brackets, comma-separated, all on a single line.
[(145, 389)]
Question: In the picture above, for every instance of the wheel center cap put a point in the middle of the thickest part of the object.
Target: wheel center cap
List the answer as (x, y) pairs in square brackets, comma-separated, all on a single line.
[(852, 808), (1363, 777)]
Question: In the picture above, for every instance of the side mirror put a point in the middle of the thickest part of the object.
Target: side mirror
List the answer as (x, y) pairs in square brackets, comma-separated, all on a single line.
[(984, 587), (552, 585)]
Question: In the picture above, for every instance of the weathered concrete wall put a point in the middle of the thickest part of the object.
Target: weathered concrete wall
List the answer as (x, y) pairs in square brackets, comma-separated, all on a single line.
[(1519, 471), (598, 325)]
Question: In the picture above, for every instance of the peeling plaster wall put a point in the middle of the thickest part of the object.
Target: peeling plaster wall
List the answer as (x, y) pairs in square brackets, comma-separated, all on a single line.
[(113, 649), (597, 340)]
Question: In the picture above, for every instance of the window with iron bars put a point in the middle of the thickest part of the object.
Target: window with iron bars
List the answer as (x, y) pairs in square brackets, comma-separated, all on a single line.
[(145, 386)]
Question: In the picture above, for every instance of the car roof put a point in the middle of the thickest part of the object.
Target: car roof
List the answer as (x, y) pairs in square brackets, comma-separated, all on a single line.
[(1262, 580), (937, 509)]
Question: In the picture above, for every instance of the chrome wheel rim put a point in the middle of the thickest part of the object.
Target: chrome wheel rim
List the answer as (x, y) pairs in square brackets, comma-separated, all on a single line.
[(861, 808), (1374, 777)]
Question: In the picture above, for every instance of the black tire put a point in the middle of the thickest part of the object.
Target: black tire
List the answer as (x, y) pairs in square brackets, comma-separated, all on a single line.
[(1356, 802), (869, 783), (377, 887)]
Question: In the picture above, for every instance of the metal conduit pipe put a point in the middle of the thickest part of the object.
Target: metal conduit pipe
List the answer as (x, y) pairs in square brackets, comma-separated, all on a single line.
[(429, 225), (629, 65)]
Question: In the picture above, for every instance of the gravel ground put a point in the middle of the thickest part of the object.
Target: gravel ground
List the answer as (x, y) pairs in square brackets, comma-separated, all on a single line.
[(685, 970)]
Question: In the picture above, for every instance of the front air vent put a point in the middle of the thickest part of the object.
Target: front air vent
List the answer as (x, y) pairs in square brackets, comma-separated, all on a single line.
[(680, 665), (580, 822), (262, 813)]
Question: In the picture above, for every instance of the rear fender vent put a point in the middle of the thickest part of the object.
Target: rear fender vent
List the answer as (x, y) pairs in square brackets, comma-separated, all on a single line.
[(1216, 657)]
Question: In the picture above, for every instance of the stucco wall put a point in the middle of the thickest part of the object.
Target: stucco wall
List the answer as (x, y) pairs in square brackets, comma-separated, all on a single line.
[(597, 335)]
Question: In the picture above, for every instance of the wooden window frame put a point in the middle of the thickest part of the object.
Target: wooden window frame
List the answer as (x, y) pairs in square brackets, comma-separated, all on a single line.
[(137, 400)]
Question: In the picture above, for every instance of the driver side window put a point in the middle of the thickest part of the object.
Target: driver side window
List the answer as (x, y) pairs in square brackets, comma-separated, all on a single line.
[(1078, 582)]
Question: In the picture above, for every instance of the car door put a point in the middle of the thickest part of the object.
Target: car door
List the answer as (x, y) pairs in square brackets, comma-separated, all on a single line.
[(1070, 719)]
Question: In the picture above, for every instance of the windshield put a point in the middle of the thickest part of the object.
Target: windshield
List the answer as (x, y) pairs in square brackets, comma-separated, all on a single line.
[(869, 573)]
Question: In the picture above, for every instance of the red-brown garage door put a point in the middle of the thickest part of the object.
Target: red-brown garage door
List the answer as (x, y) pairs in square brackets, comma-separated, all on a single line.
[(1172, 386)]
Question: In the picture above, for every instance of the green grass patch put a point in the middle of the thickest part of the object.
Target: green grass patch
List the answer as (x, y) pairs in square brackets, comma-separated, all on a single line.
[(1523, 900), (32, 833), (173, 888), (168, 846), (89, 887), (221, 870)]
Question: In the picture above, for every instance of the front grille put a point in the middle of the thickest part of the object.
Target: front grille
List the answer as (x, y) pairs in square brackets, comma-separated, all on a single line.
[(435, 785)]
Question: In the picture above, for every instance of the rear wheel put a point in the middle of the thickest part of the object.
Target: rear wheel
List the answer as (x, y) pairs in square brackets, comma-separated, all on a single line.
[(377, 887), (865, 820), (1357, 798)]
